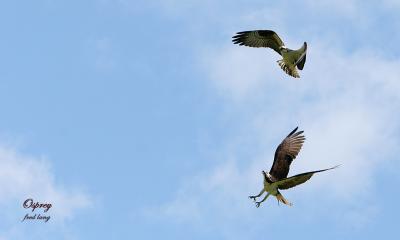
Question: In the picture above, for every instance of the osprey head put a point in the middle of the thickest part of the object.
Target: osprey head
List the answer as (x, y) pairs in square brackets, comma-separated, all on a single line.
[(283, 48), (266, 175)]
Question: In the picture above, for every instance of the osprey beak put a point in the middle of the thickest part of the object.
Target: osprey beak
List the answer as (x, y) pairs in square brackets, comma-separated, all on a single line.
[(264, 174)]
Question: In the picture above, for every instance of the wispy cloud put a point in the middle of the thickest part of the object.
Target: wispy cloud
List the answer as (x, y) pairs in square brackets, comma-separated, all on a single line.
[(346, 103), (23, 176)]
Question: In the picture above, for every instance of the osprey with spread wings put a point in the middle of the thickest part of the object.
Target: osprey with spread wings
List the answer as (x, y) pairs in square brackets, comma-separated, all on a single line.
[(291, 59), (277, 178)]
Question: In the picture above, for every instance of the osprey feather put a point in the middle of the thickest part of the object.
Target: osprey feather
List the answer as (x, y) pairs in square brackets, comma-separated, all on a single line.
[(277, 178), (291, 59)]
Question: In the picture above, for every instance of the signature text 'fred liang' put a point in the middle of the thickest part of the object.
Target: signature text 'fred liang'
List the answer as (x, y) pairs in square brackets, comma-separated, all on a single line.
[(30, 204)]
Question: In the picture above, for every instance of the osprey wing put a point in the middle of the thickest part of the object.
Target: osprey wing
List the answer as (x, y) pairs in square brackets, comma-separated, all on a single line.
[(297, 179), (285, 153), (259, 38), (302, 58)]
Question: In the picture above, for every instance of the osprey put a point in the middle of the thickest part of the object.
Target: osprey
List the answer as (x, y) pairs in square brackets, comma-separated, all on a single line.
[(269, 39), (277, 178)]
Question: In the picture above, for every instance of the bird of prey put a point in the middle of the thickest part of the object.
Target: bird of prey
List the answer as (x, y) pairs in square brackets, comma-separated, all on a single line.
[(277, 178), (291, 59)]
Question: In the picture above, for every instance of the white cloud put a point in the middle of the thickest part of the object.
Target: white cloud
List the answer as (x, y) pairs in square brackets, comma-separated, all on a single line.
[(235, 71), (346, 103), (23, 177)]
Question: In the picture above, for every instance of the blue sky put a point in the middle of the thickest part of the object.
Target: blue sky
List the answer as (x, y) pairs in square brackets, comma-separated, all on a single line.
[(142, 120)]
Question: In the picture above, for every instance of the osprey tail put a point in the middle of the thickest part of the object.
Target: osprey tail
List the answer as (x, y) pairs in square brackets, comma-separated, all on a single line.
[(282, 199), (291, 70)]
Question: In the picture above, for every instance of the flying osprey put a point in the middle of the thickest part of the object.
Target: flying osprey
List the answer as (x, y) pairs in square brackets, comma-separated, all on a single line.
[(269, 39), (277, 178)]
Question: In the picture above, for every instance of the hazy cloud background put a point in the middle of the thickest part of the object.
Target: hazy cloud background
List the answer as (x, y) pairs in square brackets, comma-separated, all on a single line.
[(346, 101), (141, 119)]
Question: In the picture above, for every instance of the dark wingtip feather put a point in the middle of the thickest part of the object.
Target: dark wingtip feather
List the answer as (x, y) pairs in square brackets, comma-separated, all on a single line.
[(335, 166), (329, 168), (298, 133), (294, 130)]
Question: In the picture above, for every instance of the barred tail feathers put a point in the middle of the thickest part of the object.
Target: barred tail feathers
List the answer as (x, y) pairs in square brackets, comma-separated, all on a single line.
[(282, 199), (292, 71)]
